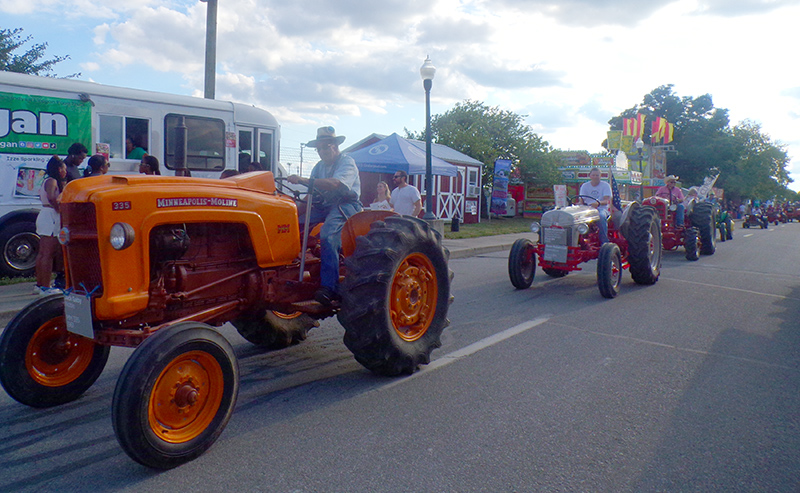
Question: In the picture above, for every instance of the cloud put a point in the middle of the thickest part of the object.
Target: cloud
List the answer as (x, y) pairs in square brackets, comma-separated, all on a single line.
[(792, 92), (736, 8), (586, 12)]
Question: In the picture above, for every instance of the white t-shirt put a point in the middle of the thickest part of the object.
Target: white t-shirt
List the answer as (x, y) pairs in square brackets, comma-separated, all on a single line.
[(603, 189), (383, 205), (403, 199)]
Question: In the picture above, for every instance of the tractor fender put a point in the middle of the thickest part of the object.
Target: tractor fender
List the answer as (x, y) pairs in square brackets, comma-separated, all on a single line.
[(359, 224), (626, 216)]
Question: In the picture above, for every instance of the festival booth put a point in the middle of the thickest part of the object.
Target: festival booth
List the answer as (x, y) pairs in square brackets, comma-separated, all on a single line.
[(456, 176)]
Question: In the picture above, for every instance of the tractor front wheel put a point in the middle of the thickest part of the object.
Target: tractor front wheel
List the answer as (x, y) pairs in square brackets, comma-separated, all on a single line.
[(175, 395), (522, 263), (274, 330), (609, 270), (690, 244), (41, 363), (395, 296)]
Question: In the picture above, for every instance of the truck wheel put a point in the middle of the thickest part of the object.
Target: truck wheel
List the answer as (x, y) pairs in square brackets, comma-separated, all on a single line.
[(555, 272), (703, 220), (275, 330), (609, 270), (395, 296), (175, 395), (19, 243), (522, 263), (41, 363), (644, 245), (690, 244), (729, 229)]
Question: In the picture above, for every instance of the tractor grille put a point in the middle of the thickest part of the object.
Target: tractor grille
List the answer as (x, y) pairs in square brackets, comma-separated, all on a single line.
[(82, 254), (555, 236)]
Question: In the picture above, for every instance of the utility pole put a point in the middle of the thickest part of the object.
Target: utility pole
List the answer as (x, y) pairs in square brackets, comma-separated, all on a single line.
[(211, 49)]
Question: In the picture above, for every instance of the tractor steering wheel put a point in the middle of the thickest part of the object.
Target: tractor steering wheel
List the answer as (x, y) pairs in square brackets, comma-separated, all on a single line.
[(570, 199)]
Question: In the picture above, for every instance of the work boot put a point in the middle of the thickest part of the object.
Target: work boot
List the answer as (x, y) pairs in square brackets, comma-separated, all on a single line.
[(326, 296)]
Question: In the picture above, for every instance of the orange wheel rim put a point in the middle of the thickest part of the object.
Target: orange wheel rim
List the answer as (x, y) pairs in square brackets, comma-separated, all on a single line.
[(186, 397), (56, 357), (287, 316), (413, 297)]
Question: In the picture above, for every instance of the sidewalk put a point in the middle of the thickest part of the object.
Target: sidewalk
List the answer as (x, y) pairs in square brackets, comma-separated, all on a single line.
[(14, 297)]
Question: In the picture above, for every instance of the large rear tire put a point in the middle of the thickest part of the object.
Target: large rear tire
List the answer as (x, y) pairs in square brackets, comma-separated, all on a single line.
[(522, 263), (41, 363), (690, 244), (644, 245), (175, 395), (395, 296), (609, 270), (703, 220), (274, 330)]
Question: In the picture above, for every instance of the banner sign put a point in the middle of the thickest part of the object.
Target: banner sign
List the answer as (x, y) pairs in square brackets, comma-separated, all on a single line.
[(560, 192), (42, 125), (502, 169)]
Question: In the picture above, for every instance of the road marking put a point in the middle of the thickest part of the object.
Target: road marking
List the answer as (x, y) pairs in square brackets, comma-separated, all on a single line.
[(748, 236), (779, 296), (469, 350)]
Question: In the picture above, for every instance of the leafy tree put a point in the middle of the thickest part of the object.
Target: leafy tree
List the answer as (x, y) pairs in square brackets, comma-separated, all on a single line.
[(28, 62), (749, 163), (489, 133)]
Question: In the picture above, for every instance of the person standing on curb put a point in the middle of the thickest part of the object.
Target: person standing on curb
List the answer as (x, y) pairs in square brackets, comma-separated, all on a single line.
[(75, 155), (48, 224), (405, 199)]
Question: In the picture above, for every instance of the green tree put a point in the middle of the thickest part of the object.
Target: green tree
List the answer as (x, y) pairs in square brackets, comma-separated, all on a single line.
[(749, 163), (15, 58), (488, 133)]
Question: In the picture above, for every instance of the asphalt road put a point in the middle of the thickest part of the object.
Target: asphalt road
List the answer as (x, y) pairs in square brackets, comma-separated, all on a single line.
[(692, 384)]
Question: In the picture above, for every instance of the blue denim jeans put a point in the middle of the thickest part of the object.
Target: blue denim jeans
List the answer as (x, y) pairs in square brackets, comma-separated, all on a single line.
[(603, 225), (679, 213), (334, 218)]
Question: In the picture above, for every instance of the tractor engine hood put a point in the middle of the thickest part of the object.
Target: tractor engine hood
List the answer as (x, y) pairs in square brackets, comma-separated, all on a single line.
[(570, 216)]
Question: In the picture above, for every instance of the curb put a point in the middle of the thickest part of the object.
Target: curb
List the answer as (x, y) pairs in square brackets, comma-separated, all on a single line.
[(472, 252)]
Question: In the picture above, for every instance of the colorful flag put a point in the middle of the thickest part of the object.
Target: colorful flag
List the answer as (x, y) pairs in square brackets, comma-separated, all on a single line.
[(670, 133), (639, 125), (627, 128), (658, 130), (616, 201)]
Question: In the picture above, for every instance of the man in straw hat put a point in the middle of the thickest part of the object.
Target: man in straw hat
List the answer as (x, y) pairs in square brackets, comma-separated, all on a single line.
[(337, 182), (674, 195)]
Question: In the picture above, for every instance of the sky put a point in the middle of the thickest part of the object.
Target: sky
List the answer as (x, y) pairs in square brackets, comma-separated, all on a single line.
[(567, 65)]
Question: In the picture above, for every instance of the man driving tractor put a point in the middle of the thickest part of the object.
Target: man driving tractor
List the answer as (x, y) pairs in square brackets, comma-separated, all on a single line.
[(675, 196)]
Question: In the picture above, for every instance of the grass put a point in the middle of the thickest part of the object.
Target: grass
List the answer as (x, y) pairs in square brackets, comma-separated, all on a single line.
[(499, 226), (7, 281)]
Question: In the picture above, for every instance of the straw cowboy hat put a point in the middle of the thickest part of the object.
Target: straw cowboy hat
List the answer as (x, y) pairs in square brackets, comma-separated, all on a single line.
[(324, 134), (671, 178)]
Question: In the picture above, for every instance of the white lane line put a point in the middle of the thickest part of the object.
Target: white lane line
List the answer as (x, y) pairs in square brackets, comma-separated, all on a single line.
[(748, 236), (779, 296), (469, 350)]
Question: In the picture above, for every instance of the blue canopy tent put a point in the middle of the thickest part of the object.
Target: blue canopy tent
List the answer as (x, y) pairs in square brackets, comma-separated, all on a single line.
[(396, 153)]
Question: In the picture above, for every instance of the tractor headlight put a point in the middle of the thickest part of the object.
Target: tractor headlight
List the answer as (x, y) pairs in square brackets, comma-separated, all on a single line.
[(535, 227), (122, 236), (583, 228)]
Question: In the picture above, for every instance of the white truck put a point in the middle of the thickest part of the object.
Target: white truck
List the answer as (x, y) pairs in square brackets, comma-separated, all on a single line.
[(42, 116)]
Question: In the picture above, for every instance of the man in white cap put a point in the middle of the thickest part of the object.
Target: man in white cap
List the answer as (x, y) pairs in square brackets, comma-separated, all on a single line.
[(600, 191), (675, 196), (336, 180)]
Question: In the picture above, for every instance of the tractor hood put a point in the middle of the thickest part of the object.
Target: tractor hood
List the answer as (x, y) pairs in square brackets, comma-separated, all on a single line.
[(570, 216)]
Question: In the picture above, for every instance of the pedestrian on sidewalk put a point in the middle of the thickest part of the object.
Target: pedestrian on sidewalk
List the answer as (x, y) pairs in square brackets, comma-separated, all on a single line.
[(406, 199), (48, 223)]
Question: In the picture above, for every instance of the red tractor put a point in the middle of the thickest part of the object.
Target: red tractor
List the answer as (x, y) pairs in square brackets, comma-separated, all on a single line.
[(569, 237), (698, 233)]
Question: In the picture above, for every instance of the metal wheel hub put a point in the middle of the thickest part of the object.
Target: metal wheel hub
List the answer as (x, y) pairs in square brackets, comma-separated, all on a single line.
[(413, 297)]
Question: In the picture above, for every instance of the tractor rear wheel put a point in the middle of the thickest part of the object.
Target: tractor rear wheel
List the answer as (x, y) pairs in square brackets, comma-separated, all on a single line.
[(644, 245), (690, 243), (703, 220), (522, 263), (274, 330), (175, 395), (41, 363), (609, 270), (555, 272), (395, 296)]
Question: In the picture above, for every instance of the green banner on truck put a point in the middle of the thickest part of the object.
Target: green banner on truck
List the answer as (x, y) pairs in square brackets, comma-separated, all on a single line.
[(42, 125)]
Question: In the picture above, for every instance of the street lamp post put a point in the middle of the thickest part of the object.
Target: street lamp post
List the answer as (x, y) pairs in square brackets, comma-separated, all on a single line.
[(639, 146), (211, 49), (427, 71)]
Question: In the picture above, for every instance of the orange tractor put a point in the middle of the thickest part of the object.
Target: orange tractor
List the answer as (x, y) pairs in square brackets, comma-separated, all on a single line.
[(157, 262)]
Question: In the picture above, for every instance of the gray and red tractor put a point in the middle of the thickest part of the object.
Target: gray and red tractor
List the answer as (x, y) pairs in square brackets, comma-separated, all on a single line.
[(570, 236)]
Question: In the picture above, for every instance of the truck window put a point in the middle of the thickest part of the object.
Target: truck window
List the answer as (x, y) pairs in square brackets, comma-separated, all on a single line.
[(205, 142), (245, 149), (115, 130), (265, 149)]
